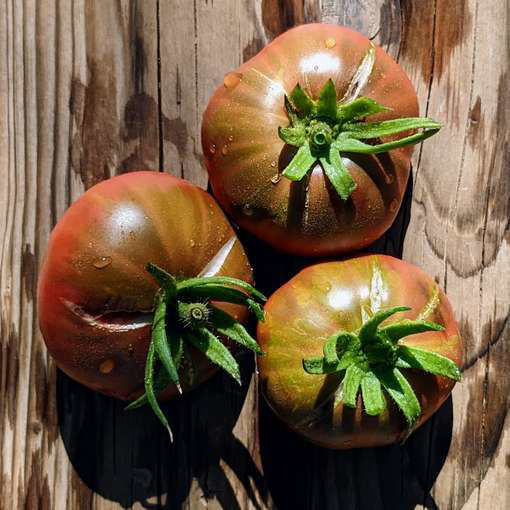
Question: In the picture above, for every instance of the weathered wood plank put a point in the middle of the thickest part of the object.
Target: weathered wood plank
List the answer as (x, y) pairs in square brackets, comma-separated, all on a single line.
[(71, 96), (459, 225), (79, 101)]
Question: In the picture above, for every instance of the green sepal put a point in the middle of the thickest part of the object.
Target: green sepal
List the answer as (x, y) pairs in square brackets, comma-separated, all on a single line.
[(371, 391), (330, 350), (351, 384), (149, 388), (166, 280), (211, 346), (256, 309), (340, 351), (226, 325), (407, 327), (160, 339), (369, 329), (337, 173), (400, 391), (216, 293), (176, 346), (319, 366), (366, 130), (295, 135), (413, 357), (346, 144), (220, 280), (359, 109), (161, 382), (301, 101), (326, 106), (300, 163)]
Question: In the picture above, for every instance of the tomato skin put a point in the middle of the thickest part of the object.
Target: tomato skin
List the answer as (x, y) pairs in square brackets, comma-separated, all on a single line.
[(326, 298), (95, 297), (243, 151)]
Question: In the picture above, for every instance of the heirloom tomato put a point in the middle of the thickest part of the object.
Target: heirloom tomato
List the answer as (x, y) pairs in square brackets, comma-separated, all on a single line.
[(358, 353), (283, 141), (141, 274)]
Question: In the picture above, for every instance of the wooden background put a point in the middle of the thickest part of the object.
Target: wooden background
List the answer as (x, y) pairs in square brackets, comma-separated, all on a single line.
[(92, 88)]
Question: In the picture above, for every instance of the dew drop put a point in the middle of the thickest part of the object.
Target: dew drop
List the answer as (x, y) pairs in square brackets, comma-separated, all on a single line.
[(106, 366), (212, 149), (224, 150), (276, 178), (247, 210), (102, 262), (330, 42), (394, 205), (231, 80), (230, 138)]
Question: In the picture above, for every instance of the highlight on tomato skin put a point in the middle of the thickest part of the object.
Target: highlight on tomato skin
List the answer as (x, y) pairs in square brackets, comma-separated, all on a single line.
[(111, 258), (358, 353), (308, 144)]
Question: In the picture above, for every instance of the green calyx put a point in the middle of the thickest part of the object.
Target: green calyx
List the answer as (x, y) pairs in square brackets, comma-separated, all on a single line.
[(326, 128), (184, 317), (371, 360)]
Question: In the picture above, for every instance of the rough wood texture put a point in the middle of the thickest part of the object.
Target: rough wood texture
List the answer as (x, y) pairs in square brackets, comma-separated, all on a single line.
[(91, 88)]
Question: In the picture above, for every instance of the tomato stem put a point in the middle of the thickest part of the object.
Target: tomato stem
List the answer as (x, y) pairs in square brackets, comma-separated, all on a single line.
[(184, 317), (325, 129), (372, 358)]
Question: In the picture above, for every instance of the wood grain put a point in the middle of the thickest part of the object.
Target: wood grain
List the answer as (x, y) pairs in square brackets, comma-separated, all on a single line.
[(92, 88)]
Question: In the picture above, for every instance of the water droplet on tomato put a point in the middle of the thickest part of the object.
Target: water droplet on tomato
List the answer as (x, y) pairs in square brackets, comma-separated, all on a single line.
[(330, 42), (394, 205), (102, 262), (247, 210), (212, 149), (224, 150), (106, 366), (276, 178), (232, 79)]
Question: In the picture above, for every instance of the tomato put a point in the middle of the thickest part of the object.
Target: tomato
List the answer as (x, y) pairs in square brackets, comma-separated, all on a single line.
[(95, 297), (339, 301), (282, 141)]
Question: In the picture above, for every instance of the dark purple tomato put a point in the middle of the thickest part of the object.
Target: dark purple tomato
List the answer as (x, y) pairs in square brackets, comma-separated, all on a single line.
[(95, 297), (282, 140), (393, 386)]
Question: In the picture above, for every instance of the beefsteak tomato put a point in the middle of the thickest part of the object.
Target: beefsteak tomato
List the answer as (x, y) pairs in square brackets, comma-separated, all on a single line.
[(342, 368), (144, 267), (282, 140)]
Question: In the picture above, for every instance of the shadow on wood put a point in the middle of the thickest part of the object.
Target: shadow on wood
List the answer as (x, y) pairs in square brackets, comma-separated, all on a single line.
[(126, 456), (302, 475)]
